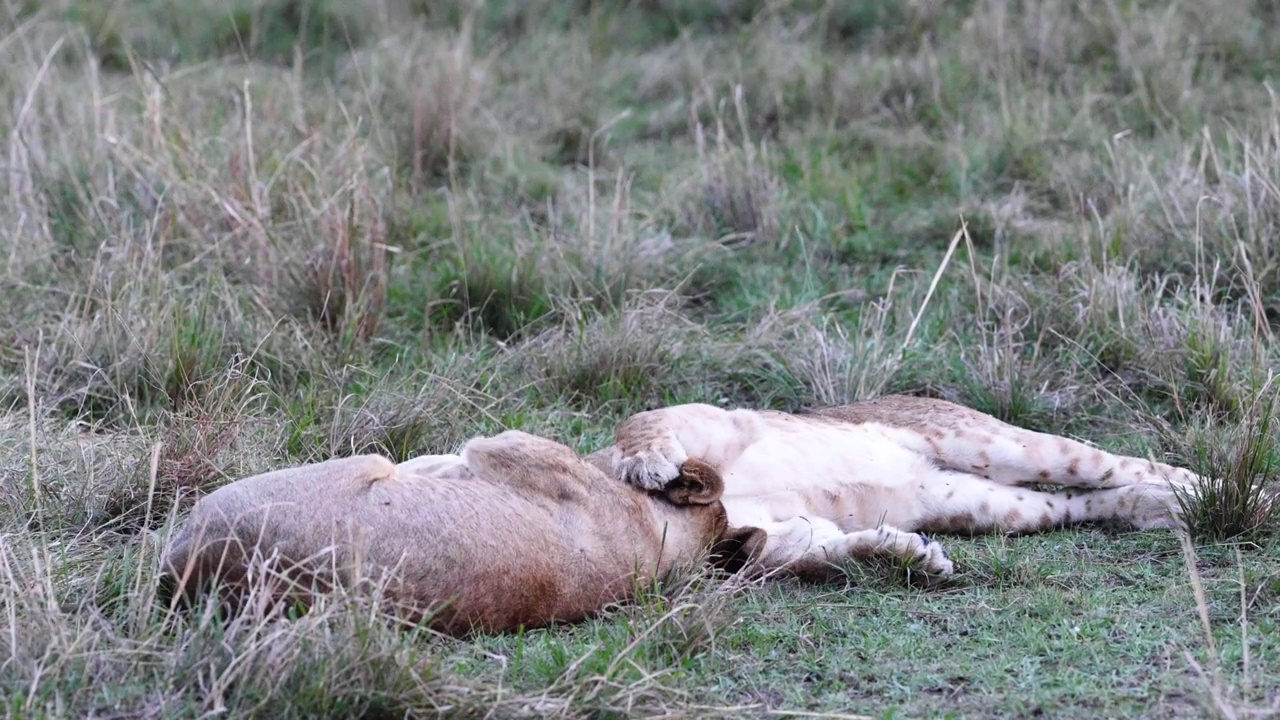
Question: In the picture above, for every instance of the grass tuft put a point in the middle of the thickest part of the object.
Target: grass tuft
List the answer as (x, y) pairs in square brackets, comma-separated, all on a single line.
[(425, 93), (634, 357), (735, 198), (1239, 497), (344, 284), (195, 452)]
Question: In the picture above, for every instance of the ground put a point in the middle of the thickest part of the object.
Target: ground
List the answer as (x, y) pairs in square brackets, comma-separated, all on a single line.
[(243, 234)]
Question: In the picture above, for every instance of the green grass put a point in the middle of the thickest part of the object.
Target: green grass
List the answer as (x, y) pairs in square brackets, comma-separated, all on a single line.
[(243, 235)]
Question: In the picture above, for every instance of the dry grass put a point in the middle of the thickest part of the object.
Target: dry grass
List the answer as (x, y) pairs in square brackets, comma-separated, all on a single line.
[(238, 236)]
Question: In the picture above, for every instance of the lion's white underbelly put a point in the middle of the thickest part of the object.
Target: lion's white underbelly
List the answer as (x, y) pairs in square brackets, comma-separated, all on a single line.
[(860, 476)]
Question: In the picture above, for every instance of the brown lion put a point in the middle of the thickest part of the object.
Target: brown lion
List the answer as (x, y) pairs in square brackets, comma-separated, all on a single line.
[(513, 531)]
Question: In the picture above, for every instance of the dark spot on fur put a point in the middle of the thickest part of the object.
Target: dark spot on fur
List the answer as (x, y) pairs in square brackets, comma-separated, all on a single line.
[(1049, 503), (1074, 468), (1045, 474)]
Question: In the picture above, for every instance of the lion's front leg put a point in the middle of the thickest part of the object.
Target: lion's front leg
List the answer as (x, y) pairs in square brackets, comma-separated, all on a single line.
[(809, 546), (649, 452), (651, 446)]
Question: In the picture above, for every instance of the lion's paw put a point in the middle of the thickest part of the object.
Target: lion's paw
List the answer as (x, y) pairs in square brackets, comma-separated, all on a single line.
[(932, 557), (919, 550), (1152, 508), (651, 469)]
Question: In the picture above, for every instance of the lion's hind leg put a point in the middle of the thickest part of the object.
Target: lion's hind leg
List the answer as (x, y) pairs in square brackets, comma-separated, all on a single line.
[(963, 503), (1010, 455)]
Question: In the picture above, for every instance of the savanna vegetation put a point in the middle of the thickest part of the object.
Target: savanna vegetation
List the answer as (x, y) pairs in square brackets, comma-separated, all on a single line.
[(240, 234)]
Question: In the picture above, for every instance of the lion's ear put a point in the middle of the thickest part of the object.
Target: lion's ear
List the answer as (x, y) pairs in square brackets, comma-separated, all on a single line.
[(738, 548), (697, 484)]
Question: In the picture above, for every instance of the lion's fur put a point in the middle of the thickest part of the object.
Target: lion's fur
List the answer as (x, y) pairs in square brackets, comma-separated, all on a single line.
[(513, 531), (867, 478)]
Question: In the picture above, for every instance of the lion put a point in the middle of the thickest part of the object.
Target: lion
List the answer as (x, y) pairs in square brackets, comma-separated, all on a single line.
[(870, 479), (513, 531)]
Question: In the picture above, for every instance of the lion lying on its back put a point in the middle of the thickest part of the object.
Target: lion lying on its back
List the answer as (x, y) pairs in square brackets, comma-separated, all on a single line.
[(514, 531), (865, 479)]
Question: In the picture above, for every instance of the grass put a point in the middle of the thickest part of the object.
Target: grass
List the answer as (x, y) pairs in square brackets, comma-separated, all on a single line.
[(248, 234)]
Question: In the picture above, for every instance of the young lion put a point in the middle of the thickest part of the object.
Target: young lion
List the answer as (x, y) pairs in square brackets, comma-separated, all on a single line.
[(516, 530), (866, 479)]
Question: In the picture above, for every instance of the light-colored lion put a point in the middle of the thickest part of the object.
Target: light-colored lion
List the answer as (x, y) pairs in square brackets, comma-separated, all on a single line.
[(513, 531), (866, 479)]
